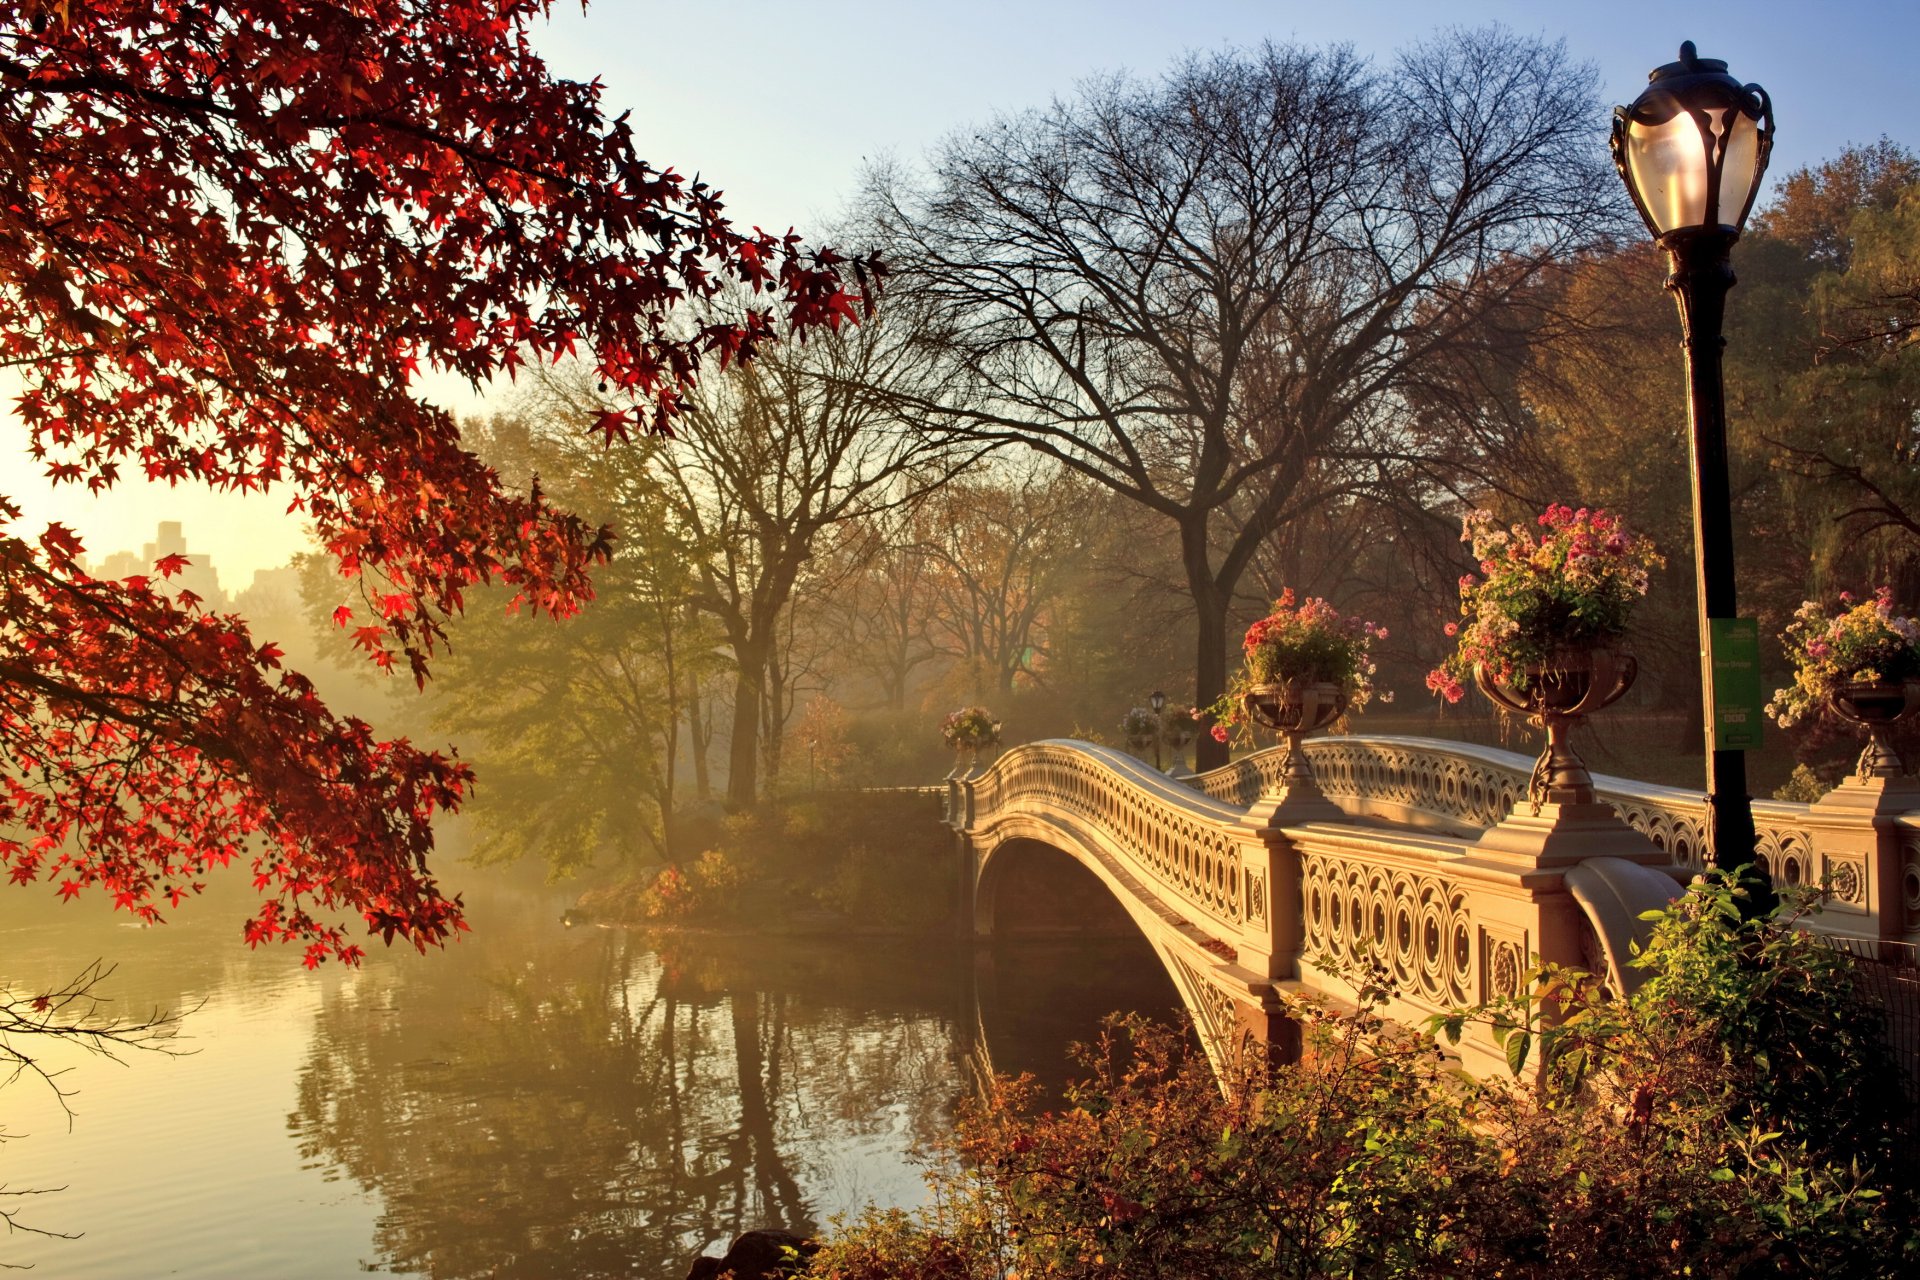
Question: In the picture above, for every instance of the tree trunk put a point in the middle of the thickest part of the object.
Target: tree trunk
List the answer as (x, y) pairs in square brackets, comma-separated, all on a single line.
[(1210, 656), (700, 730), (1210, 676), (773, 718), (669, 772), (743, 752)]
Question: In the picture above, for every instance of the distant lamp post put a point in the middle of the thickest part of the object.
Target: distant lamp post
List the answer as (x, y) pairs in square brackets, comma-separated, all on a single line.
[(1158, 701), (1692, 149)]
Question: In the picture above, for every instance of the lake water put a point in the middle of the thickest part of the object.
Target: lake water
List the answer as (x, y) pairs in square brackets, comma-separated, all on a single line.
[(536, 1101)]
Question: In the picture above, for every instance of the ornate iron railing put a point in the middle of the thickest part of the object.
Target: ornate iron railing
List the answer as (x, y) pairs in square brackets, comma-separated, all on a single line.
[(1463, 789)]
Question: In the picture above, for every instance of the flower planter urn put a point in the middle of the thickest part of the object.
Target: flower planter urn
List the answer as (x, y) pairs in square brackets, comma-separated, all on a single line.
[(1562, 822), (1293, 709), (1178, 736), (1558, 693), (1877, 708)]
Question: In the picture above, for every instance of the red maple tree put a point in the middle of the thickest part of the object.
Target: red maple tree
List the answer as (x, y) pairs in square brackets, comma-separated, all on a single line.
[(232, 235)]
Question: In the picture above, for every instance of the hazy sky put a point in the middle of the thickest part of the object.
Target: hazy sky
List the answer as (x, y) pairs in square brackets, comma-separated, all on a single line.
[(779, 103)]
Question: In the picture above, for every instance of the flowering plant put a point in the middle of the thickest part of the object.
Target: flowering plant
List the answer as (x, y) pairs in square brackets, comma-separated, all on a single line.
[(970, 729), (1865, 642), (1310, 642), (1570, 585), (1139, 724)]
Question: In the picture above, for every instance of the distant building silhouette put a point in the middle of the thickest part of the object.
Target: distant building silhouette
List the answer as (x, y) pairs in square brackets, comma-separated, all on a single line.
[(275, 593), (198, 577)]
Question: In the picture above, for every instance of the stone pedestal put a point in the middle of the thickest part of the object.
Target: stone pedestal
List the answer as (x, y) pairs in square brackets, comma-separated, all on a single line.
[(1292, 804), (1560, 835), (1861, 844)]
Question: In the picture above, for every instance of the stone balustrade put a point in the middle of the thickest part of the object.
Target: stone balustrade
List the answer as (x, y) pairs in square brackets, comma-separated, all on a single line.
[(1463, 789)]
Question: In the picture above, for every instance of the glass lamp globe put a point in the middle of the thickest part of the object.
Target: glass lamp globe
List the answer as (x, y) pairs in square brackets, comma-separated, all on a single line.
[(1693, 147)]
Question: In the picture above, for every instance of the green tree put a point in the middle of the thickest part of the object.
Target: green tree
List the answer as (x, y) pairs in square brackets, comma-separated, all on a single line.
[(1847, 422), (582, 729)]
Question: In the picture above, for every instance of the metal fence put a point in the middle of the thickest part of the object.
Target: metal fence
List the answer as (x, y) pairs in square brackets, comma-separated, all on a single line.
[(1889, 976)]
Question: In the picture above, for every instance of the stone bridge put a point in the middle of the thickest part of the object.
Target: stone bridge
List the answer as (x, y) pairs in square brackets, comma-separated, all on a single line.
[(1421, 854)]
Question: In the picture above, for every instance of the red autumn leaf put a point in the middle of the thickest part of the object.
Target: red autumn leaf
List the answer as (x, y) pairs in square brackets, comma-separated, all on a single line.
[(612, 427), (171, 564)]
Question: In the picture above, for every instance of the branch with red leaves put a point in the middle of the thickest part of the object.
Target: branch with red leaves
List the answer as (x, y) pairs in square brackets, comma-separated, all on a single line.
[(232, 235), (145, 743)]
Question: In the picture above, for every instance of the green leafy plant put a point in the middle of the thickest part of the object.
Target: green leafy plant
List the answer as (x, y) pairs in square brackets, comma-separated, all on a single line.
[(1737, 1102), (1730, 1119), (1571, 585)]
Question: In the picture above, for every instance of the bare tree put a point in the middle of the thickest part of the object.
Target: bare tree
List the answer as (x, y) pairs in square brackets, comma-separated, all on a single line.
[(998, 548), (883, 612), (772, 456), (1189, 290), (76, 1013)]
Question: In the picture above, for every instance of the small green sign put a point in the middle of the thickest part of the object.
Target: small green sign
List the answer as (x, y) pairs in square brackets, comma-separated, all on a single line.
[(1738, 704)]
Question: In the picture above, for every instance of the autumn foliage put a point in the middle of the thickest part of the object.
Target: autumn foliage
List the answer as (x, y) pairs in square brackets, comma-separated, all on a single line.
[(232, 236)]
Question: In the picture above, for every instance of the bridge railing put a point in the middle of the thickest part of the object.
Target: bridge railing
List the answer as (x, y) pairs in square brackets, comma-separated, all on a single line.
[(1407, 880), (1462, 789)]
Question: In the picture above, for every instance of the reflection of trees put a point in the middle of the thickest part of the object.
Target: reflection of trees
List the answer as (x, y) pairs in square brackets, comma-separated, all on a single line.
[(603, 1110), (1034, 1000)]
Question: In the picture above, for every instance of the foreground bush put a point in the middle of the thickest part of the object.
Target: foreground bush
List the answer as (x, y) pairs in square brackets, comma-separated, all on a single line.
[(1734, 1119)]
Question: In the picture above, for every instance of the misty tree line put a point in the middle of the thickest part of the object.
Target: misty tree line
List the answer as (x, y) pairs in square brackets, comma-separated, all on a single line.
[(1146, 356)]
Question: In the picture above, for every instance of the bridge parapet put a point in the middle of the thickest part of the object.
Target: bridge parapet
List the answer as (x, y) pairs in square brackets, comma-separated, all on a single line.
[(1463, 789), (1184, 844)]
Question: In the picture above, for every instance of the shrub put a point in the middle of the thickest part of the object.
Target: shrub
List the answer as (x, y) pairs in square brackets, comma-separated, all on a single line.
[(685, 893), (671, 896), (1805, 784), (1729, 1120), (888, 1244), (1738, 1104)]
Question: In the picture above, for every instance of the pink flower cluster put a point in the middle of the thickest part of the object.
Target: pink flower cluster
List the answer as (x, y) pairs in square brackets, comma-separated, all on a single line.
[(1570, 581), (1309, 640), (970, 729)]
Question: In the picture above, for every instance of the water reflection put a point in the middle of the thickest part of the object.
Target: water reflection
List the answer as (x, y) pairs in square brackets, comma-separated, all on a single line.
[(544, 1101)]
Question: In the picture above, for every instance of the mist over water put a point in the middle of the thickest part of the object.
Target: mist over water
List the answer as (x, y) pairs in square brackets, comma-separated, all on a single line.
[(538, 1100)]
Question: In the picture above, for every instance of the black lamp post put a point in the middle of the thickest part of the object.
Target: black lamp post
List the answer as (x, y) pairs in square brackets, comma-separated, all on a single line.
[(1158, 701), (1692, 150)]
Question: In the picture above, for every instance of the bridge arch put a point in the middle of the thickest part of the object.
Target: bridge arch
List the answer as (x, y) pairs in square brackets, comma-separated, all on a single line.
[(1029, 845), (1177, 907)]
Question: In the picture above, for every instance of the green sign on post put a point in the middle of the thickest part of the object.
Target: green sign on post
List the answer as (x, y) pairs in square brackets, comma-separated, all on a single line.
[(1738, 704)]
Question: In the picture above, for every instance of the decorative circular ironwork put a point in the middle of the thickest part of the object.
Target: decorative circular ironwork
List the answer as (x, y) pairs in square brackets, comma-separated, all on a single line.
[(1506, 969), (1843, 881)]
